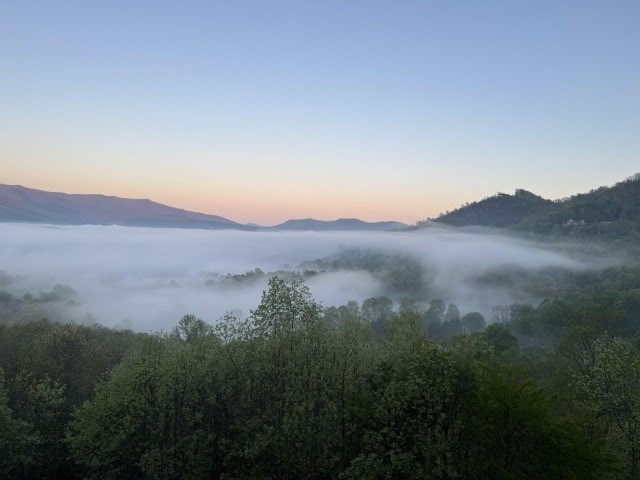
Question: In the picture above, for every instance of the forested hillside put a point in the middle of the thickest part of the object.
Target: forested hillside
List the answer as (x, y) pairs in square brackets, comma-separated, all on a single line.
[(500, 210), (605, 212), (297, 390)]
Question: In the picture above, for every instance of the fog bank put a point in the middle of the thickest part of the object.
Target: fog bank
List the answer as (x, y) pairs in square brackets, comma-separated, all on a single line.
[(146, 279)]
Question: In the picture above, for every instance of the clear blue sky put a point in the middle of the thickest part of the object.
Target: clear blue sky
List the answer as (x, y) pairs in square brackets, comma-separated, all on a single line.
[(265, 110)]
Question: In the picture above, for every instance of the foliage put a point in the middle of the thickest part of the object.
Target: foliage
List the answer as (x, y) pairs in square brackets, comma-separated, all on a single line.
[(398, 273), (473, 322), (500, 210), (50, 369), (17, 440), (300, 391), (610, 213), (415, 417), (609, 380)]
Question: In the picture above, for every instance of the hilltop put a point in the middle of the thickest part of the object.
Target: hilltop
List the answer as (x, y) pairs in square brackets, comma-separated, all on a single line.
[(606, 211), (500, 210)]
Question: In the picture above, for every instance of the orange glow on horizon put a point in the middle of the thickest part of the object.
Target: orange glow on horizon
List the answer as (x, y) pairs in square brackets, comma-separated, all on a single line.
[(266, 207)]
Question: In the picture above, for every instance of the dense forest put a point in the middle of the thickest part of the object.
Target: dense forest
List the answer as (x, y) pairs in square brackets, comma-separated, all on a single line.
[(378, 390), (611, 213)]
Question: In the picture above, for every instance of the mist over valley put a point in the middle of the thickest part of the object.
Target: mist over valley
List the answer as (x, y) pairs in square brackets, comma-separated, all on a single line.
[(147, 279)]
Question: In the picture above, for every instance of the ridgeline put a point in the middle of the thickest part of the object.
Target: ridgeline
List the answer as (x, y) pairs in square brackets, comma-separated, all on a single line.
[(607, 212)]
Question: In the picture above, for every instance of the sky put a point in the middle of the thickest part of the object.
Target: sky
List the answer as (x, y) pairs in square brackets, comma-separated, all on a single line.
[(261, 111)]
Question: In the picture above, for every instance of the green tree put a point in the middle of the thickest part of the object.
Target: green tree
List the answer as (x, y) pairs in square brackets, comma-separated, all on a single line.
[(297, 412), (524, 320), (611, 384), (40, 402), (285, 307), (415, 421), (410, 304), (377, 309), (452, 314), (519, 437), (499, 336), (159, 415), (473, 322), (17, 441), (435, 312)]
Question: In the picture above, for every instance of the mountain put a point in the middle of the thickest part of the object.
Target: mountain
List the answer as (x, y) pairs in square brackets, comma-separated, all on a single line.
[(333, 225), (607, 211), (619, 203), (21, 204), (500, 210)]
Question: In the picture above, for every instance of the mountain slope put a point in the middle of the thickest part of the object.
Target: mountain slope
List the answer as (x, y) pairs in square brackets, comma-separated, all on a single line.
[(606, 211), (21, 204), (619, 203), (500, 210)]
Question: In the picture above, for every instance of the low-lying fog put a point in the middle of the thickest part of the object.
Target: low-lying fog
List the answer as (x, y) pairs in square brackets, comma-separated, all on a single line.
[(146, 279)]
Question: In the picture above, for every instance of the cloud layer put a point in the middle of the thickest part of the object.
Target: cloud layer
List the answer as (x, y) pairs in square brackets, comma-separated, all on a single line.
[(147, 279)]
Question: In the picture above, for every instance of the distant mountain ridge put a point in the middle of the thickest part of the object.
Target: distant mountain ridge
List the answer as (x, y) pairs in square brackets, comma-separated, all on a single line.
[(339, 224), (609, 211), (22, 204)]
